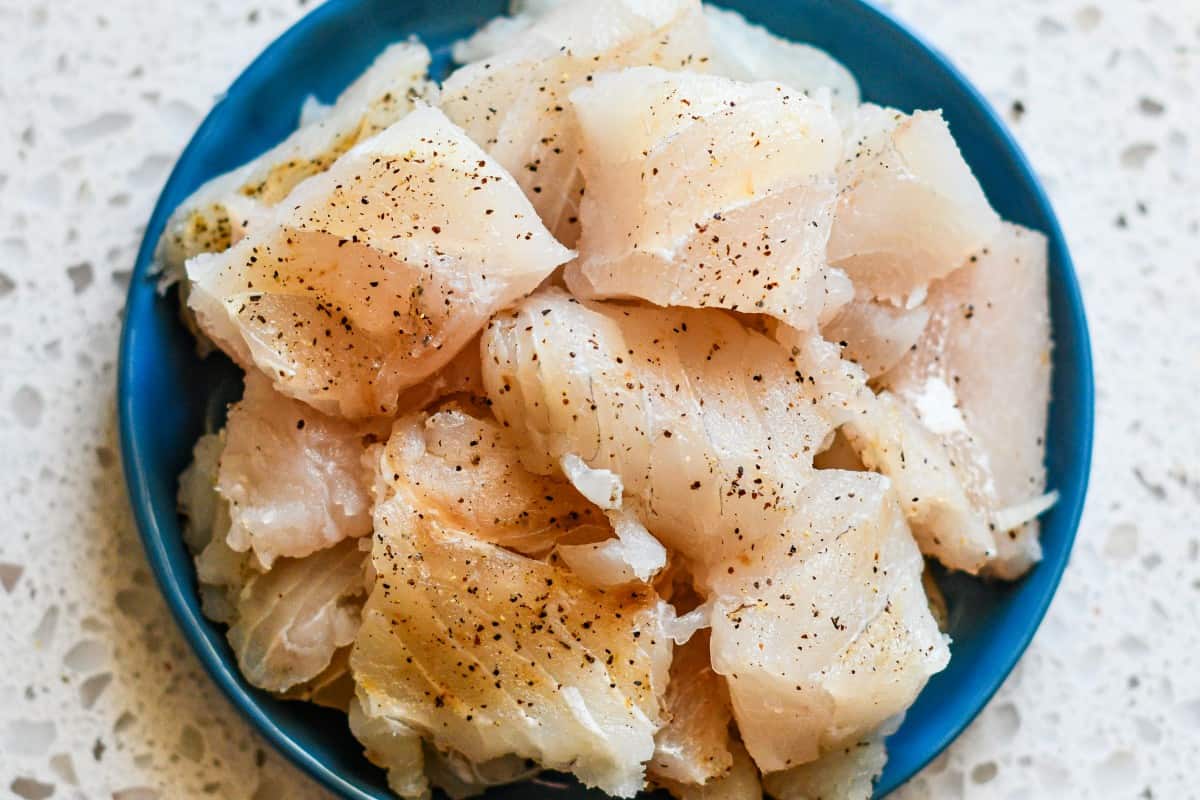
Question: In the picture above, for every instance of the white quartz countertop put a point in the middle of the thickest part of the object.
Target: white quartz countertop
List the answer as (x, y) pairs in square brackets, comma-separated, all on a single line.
[(100, 696)]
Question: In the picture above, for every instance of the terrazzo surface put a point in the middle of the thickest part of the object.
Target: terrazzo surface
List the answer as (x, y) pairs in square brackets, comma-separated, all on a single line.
[(99, 695)]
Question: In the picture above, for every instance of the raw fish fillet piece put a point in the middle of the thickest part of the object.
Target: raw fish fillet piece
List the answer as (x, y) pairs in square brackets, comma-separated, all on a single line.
[(739, 49), (333, 687), (600, 559), (293, 477), (292, 619), (822, 629), (204, 512), (288, 623), (392, 745), (889, 439), (462, 376), (489, 653), (221, 572), (848, 772), (491, 39), (373, 275), (740, 782), (514, 102), (694, 746), (462, 471), (219, 212), (946, 524), (876, 335), (459, 778), (705, 191), (909, 209), (749, 52), (979, 381), (711, 428), (414, 766)]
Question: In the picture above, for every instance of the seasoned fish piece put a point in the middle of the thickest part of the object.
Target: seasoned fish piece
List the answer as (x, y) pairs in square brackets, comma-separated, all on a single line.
[(909, 209), (694, 746), (632, 555), (490, 653), (979, 381), (710, 427), (822, 629), (749, 52), (287, 623), (492, 38), (463, 472), (293, 477), (221, 571), (462, 376), (446, 650), (876, 335), (300, 487), (199, 504), (392, 745), (705, 191), (291, 619), (739, 49), (848, 772), (461, 466), (740, 782), (219, 212), (373, 275), (889, 439), (893, 441), (459, 778), (333, 687), (514, 101)]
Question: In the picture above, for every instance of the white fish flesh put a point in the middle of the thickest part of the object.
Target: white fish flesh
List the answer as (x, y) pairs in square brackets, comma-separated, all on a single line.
[(460, 469), (848, 772), (489, 653), (979, 380), (710, 427), (888, 438), (893, 441), (513, 101), (459, 778), (750, 52), (291, 619), (219, 212), (822, 629), (392, 745), (293, 477), (876, 335), (909, 209), (694, 746), (288, 623), (705, 191), (373, 275), (740, 782)]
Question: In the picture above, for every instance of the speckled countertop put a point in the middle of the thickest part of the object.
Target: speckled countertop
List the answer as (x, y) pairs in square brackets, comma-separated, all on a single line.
[(99, 695)]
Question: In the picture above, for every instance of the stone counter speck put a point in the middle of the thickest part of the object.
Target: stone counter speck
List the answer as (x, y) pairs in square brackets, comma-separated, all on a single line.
[(101, 698)]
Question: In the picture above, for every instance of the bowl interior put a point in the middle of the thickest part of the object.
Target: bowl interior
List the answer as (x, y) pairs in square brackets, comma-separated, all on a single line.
[(167, 395)]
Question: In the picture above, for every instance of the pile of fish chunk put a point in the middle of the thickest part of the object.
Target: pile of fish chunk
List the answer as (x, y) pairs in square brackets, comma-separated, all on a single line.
[(603, 404)]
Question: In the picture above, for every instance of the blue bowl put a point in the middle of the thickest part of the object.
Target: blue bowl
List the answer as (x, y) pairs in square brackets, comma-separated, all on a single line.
[(166, 395)]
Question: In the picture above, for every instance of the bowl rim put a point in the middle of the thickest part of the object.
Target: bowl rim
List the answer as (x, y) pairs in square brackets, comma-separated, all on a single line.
[(136, 469)]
